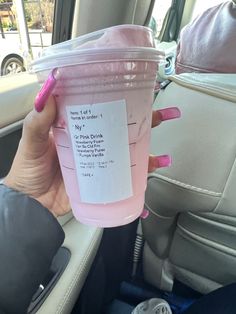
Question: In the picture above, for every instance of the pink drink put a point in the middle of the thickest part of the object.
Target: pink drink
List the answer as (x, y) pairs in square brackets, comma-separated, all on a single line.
[(102, 131)]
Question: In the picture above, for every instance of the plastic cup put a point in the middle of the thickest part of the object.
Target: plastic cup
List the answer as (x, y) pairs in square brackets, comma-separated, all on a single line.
[(104, 96)]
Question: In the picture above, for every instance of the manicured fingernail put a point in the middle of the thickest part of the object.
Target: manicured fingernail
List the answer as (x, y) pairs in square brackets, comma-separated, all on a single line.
[(145, 213), (169, 113), (45, 92), (162, 161)]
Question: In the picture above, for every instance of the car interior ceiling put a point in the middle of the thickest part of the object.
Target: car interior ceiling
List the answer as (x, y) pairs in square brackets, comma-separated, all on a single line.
[(115, 283)]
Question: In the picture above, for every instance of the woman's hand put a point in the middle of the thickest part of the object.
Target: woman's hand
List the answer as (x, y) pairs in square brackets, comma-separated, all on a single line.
[(35, 170)]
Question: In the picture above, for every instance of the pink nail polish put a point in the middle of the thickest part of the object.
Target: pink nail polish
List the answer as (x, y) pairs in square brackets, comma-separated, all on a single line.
[(163, 161), (45, 92), (169, 113), (145, 213)]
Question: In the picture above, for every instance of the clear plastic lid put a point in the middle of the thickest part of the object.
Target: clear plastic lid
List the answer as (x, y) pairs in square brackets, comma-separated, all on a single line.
[(123, 42)]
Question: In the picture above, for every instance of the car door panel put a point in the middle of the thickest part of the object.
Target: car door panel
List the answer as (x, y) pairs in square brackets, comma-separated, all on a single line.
[(82, 241), (17, 95)]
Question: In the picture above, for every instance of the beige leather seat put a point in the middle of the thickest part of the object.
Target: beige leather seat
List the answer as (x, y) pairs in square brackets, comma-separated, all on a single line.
[(191, 230)]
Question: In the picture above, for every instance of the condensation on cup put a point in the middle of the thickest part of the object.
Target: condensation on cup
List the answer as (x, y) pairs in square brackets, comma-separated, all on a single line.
[(104, 95)]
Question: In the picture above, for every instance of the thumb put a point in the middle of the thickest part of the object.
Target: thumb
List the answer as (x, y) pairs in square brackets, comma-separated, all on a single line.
[(37, 125)]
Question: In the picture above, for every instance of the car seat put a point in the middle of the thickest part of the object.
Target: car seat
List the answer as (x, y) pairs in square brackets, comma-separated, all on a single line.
[(191, 229)]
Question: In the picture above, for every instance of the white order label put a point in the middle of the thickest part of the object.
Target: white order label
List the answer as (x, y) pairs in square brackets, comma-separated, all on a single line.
[(99, 135)]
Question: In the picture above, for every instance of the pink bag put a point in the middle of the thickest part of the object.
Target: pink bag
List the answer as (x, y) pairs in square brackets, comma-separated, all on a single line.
[(208, 44)]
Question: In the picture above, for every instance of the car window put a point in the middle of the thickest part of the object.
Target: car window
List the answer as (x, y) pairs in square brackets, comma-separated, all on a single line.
[(158, 15), (200, 6), (23, 36)]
